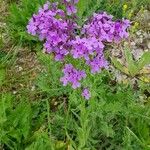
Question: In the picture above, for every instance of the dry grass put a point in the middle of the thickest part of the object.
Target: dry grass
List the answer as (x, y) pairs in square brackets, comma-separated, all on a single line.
[(21, 65)]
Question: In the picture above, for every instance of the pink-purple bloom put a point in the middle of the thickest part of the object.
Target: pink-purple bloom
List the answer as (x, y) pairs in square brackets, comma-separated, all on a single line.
[(91, 49), (86, 47), (72, 76), (55, 27), (101, 26), (86, 93), (52, 28), (97, 63), (70, 6)]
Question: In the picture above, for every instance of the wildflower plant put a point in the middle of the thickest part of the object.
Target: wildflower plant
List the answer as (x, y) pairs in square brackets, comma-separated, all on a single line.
[(56, 24)]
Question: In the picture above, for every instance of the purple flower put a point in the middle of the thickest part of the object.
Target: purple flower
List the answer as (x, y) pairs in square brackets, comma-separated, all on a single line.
[(71, 9), (32, 28), (46, 6), (102, 27), (86, 94), (86, 47), (120, 31), (97, 63), (70, 6), (52, 28), (73, 76), (55, 27)]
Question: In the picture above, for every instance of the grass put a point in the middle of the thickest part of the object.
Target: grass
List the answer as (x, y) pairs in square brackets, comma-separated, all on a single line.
[(37, 112)]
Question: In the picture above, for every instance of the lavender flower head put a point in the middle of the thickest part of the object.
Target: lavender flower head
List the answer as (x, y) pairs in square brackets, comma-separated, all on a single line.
[(72, 76), (51, 27), (70, 6), (86, 94), (104, 28), (55, 27)]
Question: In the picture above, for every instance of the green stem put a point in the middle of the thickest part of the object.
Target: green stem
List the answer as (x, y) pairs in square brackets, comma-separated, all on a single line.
[(48, 117)]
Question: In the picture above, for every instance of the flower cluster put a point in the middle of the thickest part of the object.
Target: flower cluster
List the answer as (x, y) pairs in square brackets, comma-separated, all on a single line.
[(51, 26), (84, 47), (103, 27), (70, 6), (86, 93), (91, 49), (56, 28), (97, 63), (72, 75), (120, 31)]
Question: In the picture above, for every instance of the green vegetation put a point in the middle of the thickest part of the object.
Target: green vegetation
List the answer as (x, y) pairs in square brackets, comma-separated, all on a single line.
[(38, 113)]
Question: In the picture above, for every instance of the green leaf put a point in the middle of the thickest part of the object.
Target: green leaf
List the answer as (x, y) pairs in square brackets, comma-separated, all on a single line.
[(135, 136), (144, 60), (41, 142), (107, 129), (119, 66), (2, 76), (2, 55), (133, 69), (60, 145), (5, 104), (82, 5)]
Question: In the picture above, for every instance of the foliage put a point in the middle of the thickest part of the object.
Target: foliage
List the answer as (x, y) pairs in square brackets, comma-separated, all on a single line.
[(18, 18), (134, 67), (113, 119), (49, 79), (58, 118), (86, 8), (132, 7)]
